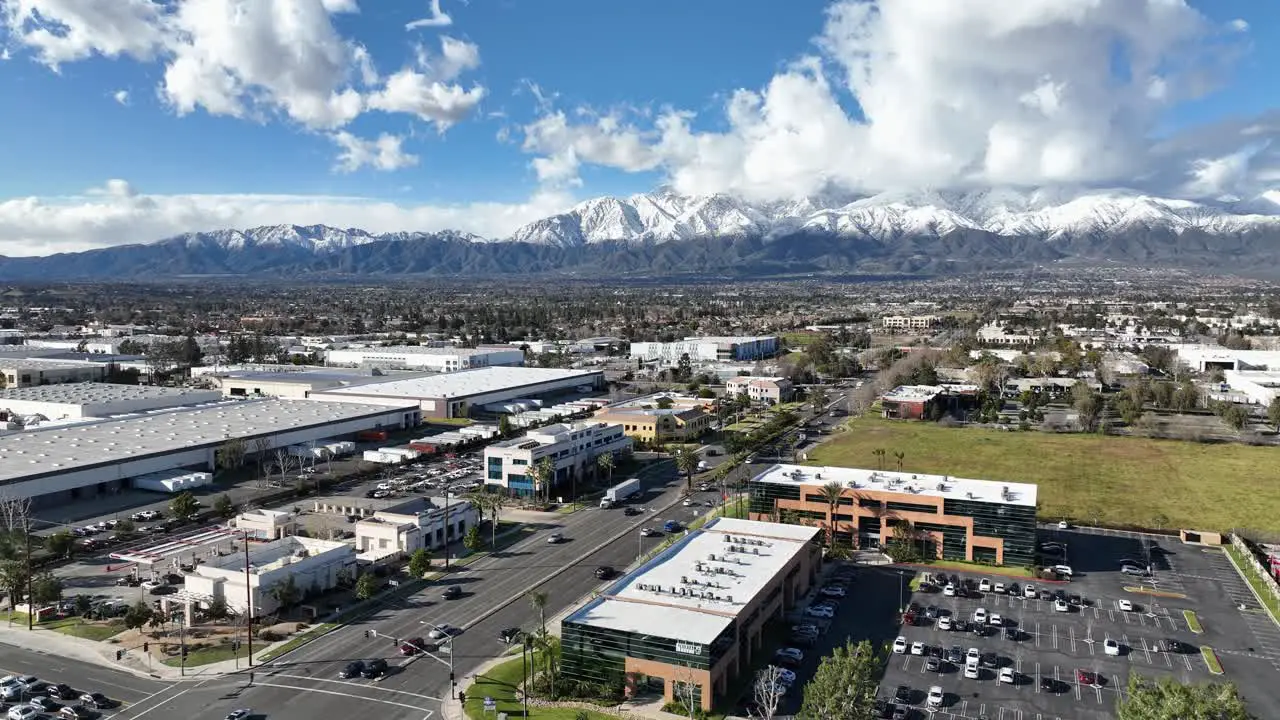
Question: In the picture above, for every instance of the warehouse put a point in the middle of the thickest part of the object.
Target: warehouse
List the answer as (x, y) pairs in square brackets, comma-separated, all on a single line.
[(82, 461), (97, 400), (452, 395), (301, 384), (693, 617), (707, 349), (24, 372), (421, 357)]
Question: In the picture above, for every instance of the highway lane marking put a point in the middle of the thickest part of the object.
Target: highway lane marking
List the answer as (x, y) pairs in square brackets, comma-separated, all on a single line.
[(351, 684), (118, 685), (163, 702), (341, 694)]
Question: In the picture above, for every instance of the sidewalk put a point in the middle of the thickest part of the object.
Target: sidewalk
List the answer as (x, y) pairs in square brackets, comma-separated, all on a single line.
[(57, 644)]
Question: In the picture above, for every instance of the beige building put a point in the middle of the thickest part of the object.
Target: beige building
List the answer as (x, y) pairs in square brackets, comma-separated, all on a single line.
[(404, 528), (771, 390), (658, 424), (266, 524)]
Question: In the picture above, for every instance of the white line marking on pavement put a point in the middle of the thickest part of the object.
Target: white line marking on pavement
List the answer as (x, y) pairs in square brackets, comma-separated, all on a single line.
[(335, 692), (350, 684), (165, 701)]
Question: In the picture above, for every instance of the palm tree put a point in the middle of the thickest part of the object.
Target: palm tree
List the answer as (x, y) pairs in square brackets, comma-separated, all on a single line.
[(605, 463), (879, 453), (495, 510), (831, 493), (899, 456), (687, 462), (538, 600), (544, 473)]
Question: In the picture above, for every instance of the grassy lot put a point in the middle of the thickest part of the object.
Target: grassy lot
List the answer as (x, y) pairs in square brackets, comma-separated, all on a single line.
[(1193, 622), (979, 568), (1211, 659), (1091, 479), (97, 631), (800, 337), (500, 682), (207, 655), (299, 641)]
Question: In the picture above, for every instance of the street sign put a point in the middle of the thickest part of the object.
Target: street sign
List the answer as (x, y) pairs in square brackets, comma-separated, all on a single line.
[(490, 705)]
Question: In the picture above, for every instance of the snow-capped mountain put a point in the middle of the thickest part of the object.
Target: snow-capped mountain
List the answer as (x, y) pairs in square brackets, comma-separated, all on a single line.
[(316, 239), (1048, 214)]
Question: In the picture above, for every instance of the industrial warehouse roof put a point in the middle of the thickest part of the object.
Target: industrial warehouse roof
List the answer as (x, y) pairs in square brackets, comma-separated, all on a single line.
[(464, 383), (424, 350), (649, 601), (65, 449), (91, 393), (42, 363), (943, 486)]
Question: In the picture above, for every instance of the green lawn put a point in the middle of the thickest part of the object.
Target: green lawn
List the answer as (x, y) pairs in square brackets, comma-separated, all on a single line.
[(1193, 622), (299, 641), (1090, 479), (206, 655), (1211, 659), (97, 631), (979, 568), (1258, 584), (500, 682)]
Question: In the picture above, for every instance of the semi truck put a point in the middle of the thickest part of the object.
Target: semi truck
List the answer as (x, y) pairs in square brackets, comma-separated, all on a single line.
[(620, 492)]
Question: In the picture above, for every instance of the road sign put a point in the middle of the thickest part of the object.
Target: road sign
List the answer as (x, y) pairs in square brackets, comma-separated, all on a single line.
[(490, 705)]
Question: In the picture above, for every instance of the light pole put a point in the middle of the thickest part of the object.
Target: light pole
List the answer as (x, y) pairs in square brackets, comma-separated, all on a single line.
[(446, 528), (445, 646), (901, 575), (639, 544)]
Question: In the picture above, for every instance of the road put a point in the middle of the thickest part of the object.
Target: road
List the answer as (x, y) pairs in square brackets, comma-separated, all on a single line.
[(304, 685)]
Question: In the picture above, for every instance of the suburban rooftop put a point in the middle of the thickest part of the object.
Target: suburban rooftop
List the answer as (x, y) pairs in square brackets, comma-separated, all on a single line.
[(943, 486), (477, 381), (90, 392), (694, 589)]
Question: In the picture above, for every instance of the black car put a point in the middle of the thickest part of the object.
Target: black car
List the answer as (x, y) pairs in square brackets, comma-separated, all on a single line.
[(373, 668), (884, 709), (451, 592), (1050, 685), (510, 635), (1012, 633), (62, 691), (931, 612), (802, 639), (45, 704), (902, 694), (1046, 595), (97, 701), (988, 659), (354, 669), (955, 655), (1170, 645), (631, 511), (604, 572), (1075, 599), (1014, 589)]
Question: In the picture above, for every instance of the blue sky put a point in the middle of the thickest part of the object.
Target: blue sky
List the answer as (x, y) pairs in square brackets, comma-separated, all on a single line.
[(664, 73)]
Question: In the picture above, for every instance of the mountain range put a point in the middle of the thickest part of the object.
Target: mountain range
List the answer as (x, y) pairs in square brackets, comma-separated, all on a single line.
[(664, 233)]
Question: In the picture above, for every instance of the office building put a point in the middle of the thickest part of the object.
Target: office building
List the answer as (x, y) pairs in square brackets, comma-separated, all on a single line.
[(953, 518), (769, 390), (658, 424), (313, 564), (707, 349), (571, 448), (26, 372), (908, 323), (413, 525), (693, 615), (422, 357)]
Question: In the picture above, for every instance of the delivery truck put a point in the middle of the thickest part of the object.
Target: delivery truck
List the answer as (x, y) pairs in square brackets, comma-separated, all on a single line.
[(620, 492)]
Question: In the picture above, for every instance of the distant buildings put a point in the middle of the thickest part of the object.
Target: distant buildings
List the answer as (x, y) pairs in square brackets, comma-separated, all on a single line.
[(909, 323), (927, 402), (998, 334), (571, 448), (770, 390), (705, 349), (658, 424), (1259, 387), (419, 357)]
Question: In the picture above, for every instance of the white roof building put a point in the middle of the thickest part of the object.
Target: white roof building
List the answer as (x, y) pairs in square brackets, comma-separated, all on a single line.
[(939, 486), (421, 357), (91, 399)]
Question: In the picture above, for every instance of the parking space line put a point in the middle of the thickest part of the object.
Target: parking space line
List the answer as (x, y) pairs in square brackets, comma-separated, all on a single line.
[(1145, 650), (1072, 631), (1077, 684), (1037, 634), (1124, 638), (1099, 689), (1038, 676), (1053, 632)]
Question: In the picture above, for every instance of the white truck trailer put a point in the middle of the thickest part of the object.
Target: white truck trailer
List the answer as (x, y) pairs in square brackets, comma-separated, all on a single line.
[(620, 492)]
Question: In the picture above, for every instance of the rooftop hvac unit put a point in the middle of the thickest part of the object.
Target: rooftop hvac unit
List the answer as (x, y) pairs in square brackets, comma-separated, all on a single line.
[(728, 598), (728, 538), (684, 579), (755, 551), (673, 590)]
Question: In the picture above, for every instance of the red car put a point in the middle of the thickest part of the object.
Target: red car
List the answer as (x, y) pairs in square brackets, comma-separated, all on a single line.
[(1085, 677), (413, 647)]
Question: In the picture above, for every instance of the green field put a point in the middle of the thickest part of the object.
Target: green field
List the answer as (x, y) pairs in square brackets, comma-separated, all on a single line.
[(1089, 479)]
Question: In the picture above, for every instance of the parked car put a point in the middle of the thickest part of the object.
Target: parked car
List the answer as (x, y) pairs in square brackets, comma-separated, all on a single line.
[(1175, 646), (988, 659), (62, 691), (949, 590), (23, 712), (980, 615), (1088, 677), (955, 655), (1126, 605), (788, 655), (935, 696), (1008, 676), (97, 701), (74, 712), (1111, 647), (944, 623), (984, 585), (902, 694), (971, 671), (833, 591), (917, 648), (820, 611), (1029, 591), (239, 714), (44, 704), (900, 645), (1052, 685)]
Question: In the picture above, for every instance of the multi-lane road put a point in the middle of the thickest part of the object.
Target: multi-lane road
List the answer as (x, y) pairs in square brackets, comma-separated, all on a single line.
[(304, 685)]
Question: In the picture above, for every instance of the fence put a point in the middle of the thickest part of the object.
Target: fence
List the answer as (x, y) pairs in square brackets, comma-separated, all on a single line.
[(1268, 580)]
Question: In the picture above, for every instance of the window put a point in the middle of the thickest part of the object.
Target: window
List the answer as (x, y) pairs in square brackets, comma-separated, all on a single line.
[(519, 461), (911, 507)]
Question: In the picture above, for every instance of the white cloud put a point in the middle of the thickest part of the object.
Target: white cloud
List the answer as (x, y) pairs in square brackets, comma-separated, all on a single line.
[(983, 92), (435, 19), (117, 214), (384, 153), (61, 31), (121, 96), (427, 91)]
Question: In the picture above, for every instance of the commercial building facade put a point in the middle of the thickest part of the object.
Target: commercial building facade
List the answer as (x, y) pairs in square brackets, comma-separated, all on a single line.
[(571, 448), (902, 323), (420, 357), (693, 617), (707, 349), (313, 564), (658, 424), (26, 372), (952, 518), (771, 390), (417, 524)]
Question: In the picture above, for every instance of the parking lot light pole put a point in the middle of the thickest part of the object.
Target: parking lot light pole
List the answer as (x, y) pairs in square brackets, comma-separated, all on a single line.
[(901, 576), (449, 638)]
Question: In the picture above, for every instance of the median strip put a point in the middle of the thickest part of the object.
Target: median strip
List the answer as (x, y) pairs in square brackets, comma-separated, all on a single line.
[(1211, 660), (1152, 592), (1193, 622)]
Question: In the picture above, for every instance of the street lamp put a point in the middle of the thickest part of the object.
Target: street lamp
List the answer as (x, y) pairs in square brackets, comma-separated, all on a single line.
[(901, 576), (448, 638)]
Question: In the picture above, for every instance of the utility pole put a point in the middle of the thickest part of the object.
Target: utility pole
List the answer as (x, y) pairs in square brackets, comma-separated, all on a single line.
[(446, 528), (31, 605), (248, 600)]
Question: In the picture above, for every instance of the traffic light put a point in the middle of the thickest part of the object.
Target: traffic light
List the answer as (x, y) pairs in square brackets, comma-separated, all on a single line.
[(119, 655), (462, 698), (366, 633), (146, 647), (184, 652), (395, 642)]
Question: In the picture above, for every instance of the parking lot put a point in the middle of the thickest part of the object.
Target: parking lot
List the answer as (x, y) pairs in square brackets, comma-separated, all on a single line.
[(1057, 659)]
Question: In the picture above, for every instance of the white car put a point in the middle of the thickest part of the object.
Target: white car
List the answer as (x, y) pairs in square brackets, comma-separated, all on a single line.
[(998, 589), (790, 653), (944, 622), (984, 585), (1061, 606), (1124, 605), (833, 591), (23, 712), (1064, 525), (1029, 591), (996, 620), (819, 611), (971, 671), (9, 693), (949, 590), (1110, 647), (971, 657), (1062, 570), (687, 502), (935, 696), (900, 645), (554, 538), (443, 630), (917, 648), (980, 616), (1008, 676), (150, 585)]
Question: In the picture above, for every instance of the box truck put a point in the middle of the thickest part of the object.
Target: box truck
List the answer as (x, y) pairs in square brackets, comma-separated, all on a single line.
[(620, 492)]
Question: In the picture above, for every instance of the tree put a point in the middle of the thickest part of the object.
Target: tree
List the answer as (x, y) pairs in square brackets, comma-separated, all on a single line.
[(46, 588), (286, 592), (767, 691), (1088, 406), (904, 546), (84, 605), (261, 446), (844, 685), (60, 544), (13, 580), (664, 403), (472, 540), (1273, 413), (538, 600), (687, 462), (1235, 417), (419, 562), (217, 609), (544, 474), (184, 506), (231, 454), (138, 615), (1187, 397), (366, 586), (504, 426), (832, 492), (125, 526), (284, 462), (605, 463), (223, 506), (684, 368), (1168, 699)]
